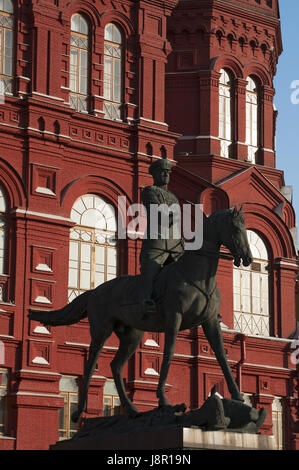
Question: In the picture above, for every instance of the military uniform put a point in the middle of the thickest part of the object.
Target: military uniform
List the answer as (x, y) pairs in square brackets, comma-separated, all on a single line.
[(157, 251)]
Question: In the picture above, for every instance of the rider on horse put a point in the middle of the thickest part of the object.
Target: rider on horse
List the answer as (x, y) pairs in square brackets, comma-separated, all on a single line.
[(158, 250)]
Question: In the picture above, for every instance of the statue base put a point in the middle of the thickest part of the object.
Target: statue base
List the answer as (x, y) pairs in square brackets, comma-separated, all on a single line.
[(220, 423), (172, 439)]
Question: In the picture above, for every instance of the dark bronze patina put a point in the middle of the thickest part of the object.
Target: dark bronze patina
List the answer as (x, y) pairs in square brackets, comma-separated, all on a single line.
[(186, 296), (157, 251)]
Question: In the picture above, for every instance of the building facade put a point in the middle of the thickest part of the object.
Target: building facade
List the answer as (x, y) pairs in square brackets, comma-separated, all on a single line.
[(91, 93)]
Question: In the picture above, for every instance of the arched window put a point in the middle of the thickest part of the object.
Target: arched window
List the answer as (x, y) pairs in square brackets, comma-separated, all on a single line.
[(113, 82), (93, 250), (79, 53), (251, 291), (6, 47), (225, 113), (252, 110)]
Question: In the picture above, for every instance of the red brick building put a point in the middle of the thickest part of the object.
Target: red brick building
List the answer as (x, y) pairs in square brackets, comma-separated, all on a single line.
[(92, 92)]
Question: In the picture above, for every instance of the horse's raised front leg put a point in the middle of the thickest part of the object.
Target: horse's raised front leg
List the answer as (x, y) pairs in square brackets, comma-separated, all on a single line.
[(213, 334), (172, 328), (129, 340)]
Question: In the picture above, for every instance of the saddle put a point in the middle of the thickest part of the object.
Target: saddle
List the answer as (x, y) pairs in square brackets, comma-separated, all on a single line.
[(131, 294)]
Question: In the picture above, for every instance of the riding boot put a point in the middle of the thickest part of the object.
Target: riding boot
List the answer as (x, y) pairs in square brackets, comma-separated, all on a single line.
[(147, 283)]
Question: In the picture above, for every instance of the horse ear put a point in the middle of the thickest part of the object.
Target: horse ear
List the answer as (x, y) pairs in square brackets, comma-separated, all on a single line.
[(234, 211), (241, 209)]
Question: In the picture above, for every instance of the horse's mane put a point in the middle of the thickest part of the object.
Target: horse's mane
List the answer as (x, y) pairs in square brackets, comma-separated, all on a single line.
[(221, 213), (224, 213)]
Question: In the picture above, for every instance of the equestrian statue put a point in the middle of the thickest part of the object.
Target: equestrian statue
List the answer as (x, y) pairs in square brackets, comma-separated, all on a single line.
[(184, 295)]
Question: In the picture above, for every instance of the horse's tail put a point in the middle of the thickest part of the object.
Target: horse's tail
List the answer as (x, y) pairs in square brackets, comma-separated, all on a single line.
[(71, 313)]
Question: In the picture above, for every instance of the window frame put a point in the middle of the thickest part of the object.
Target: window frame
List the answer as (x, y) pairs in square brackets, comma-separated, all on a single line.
[(4, 249), (226, 125), (278, 421), (240, 314), (79, 101), (112, 108), (252, 116), (113, 403), (94, 243), (7, 78), (70, 397)]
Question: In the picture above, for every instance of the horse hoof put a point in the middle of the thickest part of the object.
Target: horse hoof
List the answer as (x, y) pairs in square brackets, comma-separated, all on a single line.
[(133, 412), (180, 408), (164, 403)]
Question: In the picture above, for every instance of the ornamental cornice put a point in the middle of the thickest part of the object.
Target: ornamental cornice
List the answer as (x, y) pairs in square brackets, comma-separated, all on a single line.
[(166, 5)]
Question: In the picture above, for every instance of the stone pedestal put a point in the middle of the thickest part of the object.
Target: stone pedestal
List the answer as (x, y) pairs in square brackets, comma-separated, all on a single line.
[(171, 439)]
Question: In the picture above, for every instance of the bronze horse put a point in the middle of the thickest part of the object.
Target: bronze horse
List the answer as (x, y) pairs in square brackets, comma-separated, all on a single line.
[(186, 295)]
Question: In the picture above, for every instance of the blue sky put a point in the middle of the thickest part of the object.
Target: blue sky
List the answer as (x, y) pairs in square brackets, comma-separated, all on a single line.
[(287, 138)]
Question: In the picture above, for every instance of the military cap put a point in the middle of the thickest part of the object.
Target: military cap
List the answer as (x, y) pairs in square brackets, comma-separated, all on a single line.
[(158, 165)]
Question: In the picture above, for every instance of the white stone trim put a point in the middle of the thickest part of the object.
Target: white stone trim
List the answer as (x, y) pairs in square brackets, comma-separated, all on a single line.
[(286, 263), (264, 366), (43, 300), (151, 371), (40, 372), (47, 96), (34, 394), (43, 267), (40, 360), (21, 76), (46, 191), (197, 137), (70, 343), (41, 330), (153, 122), (13, 127), (151, 342), (41, 214)]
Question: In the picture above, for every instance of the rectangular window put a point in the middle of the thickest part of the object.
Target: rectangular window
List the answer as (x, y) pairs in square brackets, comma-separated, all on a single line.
[(252, 110), (251, 291), (111, 406), (79, 52), (69, 390), (6, 51), (251, 301), (112, 90)]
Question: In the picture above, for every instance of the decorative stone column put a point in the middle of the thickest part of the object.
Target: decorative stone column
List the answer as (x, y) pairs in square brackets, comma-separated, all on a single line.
[(267, 154), (208, 142)]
